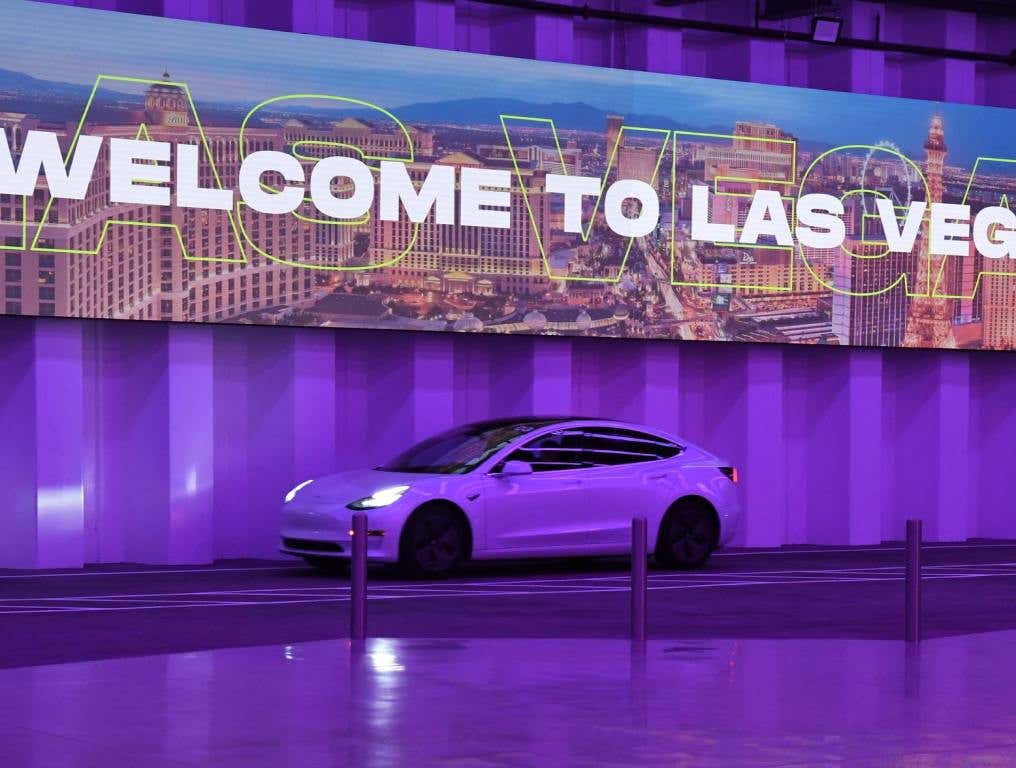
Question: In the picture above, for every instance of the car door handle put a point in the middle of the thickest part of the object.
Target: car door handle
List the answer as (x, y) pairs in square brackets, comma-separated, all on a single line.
[(572, 482), (658, 477)]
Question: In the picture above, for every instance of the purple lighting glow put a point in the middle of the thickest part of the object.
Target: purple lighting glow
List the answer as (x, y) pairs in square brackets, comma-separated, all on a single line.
[(183, 440), (741, 703)]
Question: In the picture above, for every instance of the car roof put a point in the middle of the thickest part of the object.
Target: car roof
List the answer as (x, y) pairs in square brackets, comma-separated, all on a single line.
[(541, 420), (508, 421)]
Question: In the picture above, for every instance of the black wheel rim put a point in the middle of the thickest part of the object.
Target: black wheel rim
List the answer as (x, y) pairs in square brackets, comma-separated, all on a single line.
[(436, 542), (691, 536)]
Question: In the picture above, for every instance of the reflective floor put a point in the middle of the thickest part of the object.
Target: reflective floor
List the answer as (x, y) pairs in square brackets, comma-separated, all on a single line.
[(548, 702), (114, 611)]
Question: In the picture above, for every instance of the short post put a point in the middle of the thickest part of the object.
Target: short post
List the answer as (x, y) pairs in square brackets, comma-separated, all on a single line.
[(639, 576), (913, 582), (358, 578)]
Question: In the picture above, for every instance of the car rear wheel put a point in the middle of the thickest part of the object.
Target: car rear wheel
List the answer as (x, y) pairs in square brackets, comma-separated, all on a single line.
[(329, 565), (434, 541), (688, 535)]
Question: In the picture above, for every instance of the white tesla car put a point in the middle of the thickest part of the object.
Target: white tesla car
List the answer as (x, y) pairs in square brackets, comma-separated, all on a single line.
[(526, 487)]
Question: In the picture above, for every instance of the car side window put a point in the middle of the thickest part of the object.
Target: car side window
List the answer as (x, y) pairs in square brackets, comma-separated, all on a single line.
[(549, 453), (613, 446), (582, 448)]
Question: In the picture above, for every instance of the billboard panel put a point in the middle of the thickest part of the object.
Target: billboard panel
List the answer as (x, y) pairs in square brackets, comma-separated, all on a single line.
[(153, 169)]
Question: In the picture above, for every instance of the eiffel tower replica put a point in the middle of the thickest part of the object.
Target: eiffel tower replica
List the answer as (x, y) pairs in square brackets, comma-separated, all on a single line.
[(929, 321)]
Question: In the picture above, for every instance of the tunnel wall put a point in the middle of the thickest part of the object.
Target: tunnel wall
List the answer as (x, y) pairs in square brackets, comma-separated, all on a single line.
[(156, 443)]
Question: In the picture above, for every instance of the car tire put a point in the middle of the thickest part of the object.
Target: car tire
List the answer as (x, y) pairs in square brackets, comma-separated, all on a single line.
[(688, 535), (434, 541), (331, 566)]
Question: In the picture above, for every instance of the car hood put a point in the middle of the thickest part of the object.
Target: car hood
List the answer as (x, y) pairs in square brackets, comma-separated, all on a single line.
[(344, 487)]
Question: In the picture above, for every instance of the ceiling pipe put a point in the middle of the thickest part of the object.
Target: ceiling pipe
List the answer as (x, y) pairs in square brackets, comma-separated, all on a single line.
[(763, 33)]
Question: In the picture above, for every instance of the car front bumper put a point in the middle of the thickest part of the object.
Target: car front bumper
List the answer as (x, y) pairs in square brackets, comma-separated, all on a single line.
[(315, 530), (334, 549)]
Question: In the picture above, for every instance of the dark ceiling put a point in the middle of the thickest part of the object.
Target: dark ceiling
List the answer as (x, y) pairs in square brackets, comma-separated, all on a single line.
[(789, 9), (768, 16)]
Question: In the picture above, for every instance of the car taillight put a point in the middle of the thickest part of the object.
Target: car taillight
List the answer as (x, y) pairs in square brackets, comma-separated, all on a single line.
[(730, 472)]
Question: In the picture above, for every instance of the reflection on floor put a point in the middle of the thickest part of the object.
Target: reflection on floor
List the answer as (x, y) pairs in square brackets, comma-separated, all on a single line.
[(549, 702)]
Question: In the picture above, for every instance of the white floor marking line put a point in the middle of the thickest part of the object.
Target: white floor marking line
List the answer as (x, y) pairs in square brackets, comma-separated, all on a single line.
[(152, 572), (342, 598), (690, 575), (224, 604), (863, 550), (595, 583), (287, 565)]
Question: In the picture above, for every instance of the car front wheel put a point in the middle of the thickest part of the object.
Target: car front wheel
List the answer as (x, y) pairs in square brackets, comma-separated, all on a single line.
[(688, 535), (434, 541)]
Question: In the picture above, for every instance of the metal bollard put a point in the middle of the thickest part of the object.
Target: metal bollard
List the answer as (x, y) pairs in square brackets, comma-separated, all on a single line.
[(912, 603), (358, 579), (639, 576)]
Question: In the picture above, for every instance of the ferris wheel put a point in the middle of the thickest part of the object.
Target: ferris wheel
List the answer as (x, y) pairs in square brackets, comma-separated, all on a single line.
[(910, 175)]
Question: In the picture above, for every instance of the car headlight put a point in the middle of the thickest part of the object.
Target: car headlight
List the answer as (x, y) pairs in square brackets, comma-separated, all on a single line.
[(381, 498), (292, 494)]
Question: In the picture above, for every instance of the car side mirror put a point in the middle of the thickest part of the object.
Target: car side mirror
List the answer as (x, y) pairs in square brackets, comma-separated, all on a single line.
[(516, 467)]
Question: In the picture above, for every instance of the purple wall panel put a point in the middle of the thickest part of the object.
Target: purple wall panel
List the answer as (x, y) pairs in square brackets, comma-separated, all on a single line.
[(993, 420), (105, 395), (825, 434), (796, 429), (191, 443), (19, 547), (513, 367), (390, 380), (353, 391), (660, 393), (230, 387), (139, 409), (433, 391), (58, 371), (866, 500), (472, 381), (955, 454), (271, 434), (314, 402), (144, 442)]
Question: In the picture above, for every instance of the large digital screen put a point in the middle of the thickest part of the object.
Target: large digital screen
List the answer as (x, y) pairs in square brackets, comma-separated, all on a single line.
[(153, 169)]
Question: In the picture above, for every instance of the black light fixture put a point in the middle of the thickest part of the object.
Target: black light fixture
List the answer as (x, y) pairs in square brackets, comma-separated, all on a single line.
[(826, 29)]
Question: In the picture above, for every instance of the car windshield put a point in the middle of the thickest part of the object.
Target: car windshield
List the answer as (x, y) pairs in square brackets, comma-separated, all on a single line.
[(459, 450)]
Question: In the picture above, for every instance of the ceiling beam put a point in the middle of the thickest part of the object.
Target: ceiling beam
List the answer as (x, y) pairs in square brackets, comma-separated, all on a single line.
[(759, 32)]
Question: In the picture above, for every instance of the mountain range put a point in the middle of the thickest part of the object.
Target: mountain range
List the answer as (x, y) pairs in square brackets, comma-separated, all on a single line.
[(51, 100), (571, 115)]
